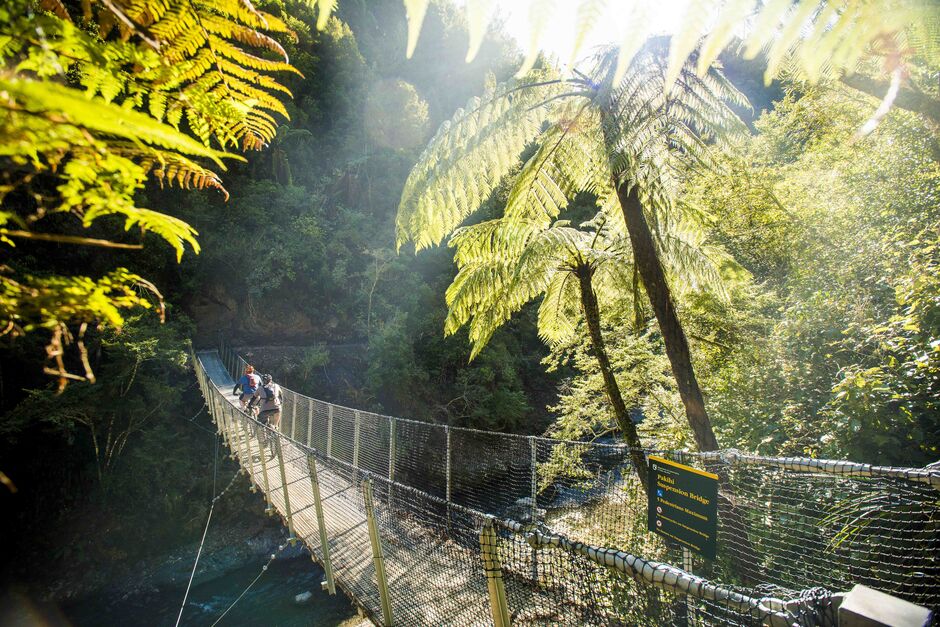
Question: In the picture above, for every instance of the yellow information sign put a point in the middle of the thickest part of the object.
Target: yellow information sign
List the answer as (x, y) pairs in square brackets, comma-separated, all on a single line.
[(683, 505)]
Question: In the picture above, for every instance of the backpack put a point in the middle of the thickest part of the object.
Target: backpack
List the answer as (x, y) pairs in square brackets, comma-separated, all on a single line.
[(270, 393)]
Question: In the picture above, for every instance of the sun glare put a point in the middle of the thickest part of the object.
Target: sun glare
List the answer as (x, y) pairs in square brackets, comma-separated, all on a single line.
[(558, 34)]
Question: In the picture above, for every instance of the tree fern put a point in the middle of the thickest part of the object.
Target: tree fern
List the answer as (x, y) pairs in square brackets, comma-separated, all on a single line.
[(814, 40), (616, 133), (99, 114)]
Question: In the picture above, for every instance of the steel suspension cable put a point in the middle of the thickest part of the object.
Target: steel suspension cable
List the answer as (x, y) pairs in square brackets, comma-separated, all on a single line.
[(264, 569), (205, 531)]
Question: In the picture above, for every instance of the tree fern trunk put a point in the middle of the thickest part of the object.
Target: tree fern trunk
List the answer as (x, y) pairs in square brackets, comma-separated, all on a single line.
[(646, 258), (593, 317), (744, 558)]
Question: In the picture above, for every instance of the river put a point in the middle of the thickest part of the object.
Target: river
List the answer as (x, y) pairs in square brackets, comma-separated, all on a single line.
[(270, 602)]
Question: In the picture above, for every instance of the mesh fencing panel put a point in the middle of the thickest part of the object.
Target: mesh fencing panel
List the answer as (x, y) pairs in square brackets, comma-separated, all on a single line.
[(791, 531)]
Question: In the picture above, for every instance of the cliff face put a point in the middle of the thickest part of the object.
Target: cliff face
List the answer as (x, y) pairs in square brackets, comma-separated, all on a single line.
[(218, 310)]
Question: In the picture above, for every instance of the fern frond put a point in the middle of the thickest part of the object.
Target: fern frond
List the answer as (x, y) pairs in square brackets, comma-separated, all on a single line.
[(73, 108), (467, 157), (478, 18)]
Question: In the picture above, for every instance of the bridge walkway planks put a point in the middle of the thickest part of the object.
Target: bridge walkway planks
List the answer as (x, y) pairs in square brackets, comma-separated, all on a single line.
[(432, 580)]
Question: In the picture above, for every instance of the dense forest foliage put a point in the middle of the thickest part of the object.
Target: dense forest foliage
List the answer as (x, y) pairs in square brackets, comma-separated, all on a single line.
[(817, 333)]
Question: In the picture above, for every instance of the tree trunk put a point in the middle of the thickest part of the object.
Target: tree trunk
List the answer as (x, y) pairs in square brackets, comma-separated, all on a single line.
[(647, 261), (593, 317)]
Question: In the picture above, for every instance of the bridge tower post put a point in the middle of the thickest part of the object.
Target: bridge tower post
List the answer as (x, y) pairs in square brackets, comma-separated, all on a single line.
[(321, 523), (377, 555), (227, 428), (534, 493), (494, 575), (233, 435), (262, 440), (237, 424), (218, 418), (356, 423)]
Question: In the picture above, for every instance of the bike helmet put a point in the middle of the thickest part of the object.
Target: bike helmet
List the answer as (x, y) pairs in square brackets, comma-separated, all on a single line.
[(266, 379)]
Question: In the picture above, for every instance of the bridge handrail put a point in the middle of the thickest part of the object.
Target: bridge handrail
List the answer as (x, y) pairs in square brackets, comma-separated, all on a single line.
[(658, 574), (733, 457)]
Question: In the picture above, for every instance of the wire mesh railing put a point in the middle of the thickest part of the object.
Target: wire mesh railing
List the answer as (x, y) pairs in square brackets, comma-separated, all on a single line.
[(791, 531)]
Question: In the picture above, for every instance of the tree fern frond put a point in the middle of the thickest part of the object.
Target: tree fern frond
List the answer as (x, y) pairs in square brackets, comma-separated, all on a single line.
[(478, 18), (467, 158), (101, 117), (730, 16), (559, 311), (540, 11), (414, 11), (588, 14), (325, 9)]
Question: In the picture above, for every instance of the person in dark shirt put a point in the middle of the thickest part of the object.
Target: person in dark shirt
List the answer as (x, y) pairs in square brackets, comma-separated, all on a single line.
[(269, 397)]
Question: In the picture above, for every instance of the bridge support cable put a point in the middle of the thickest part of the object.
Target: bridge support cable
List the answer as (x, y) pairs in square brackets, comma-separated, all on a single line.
[(202, 541), (435, 487)]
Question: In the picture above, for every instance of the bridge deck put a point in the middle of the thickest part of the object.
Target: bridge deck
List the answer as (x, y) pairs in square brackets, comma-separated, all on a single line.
[(432, 581)]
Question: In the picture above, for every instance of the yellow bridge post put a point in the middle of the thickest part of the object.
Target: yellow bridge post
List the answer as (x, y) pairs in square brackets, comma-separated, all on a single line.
[(237, 427), (321, 524), (494, 576), (233, 435), (263, 430), (229, 438), (377, 554), (246, 433), (280, 463), (219, 419)]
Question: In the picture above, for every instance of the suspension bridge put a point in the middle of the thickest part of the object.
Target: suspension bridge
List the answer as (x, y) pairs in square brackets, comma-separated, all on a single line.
[(425, 524)]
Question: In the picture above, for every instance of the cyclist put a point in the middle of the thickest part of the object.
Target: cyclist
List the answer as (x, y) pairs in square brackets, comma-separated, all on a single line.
[(247, 386), (269, 399)]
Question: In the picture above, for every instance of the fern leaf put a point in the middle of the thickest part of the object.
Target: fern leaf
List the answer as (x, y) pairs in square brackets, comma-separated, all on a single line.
[(50, 99), (325, 9), (540, 11), (478, 18), (588, 14), (414, 11)]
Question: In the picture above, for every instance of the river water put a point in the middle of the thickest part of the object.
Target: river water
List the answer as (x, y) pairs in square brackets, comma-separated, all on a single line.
[(270, 602)]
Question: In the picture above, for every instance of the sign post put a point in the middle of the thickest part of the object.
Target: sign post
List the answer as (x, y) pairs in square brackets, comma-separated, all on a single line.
[(683, 505)]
